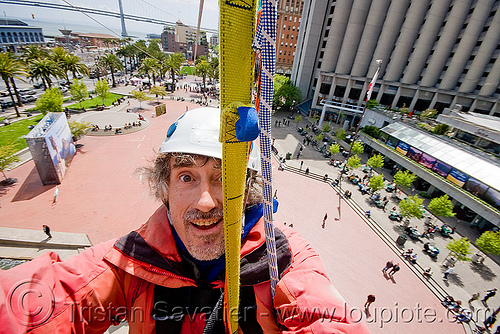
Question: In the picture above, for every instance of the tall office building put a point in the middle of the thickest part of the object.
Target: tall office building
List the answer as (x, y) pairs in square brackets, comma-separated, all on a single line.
[(287, 31), (435, 53)]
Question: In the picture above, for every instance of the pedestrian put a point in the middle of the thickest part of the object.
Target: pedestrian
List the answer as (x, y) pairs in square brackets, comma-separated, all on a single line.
[(395, 268), (307, 171), (369, 300), (298, 155), (388, 266), (488, 323), (325, 178), (474, 297), (324, 220), (449, 271), (56, 195), (301, 164), (276, 194), (368, 213), (489, 293), (46, 230)]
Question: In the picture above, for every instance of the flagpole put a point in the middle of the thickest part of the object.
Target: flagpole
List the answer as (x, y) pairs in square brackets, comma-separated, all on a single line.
[(355, 136)]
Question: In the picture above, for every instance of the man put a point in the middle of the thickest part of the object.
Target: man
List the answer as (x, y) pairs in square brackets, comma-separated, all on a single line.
[(168, 276)]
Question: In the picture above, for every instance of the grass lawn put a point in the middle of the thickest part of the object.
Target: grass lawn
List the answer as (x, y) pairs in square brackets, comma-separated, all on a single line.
[(95, 101), (187, 70), (15, 132)]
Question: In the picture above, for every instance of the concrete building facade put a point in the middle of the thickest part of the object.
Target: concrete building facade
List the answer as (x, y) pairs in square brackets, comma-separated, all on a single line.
[(287, 31), (435, 53), (15, 34)]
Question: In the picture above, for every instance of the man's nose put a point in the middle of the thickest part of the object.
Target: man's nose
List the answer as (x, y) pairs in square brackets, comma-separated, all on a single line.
[(207, 200)]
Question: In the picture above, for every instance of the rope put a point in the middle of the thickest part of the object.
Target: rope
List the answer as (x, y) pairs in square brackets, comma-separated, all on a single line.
[(265, 41), (237, 21)]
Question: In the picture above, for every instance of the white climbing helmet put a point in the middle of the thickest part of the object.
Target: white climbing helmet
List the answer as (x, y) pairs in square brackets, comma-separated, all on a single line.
[(197, 132)]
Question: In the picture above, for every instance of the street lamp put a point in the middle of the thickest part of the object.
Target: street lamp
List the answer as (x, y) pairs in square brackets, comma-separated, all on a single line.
[(355, 136)]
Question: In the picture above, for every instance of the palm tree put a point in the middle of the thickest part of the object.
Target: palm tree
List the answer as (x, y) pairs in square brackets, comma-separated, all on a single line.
[(149, 66), (111, 62), (73, 64), (174, 63), (203, 69), (33, 52), (43, 69), (11, 68)]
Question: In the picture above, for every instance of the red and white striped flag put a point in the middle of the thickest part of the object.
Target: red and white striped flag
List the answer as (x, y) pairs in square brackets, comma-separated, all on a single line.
[(372, 84)]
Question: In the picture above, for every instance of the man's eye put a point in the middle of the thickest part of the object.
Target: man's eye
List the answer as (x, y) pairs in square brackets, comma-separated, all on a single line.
[(185, 178)]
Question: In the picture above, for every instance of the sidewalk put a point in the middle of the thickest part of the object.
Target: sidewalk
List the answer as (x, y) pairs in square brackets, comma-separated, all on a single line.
[(468, 277)]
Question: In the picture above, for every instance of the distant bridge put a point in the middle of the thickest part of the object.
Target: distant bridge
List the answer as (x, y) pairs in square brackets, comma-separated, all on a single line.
[(34, 3)]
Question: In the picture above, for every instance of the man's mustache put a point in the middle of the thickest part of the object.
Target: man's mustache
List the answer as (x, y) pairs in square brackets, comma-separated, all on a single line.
[(195, 214)]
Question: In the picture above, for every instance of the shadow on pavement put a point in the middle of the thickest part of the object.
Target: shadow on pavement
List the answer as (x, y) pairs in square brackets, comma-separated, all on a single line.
[(483, 271), (31, 188)]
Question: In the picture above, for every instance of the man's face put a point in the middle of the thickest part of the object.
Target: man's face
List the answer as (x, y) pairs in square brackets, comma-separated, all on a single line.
[(195, 203)]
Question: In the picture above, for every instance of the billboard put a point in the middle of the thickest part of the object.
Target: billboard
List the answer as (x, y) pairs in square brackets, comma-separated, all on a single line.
[(51, 145), (457, 177), (441, 168), (402, 147), (426, 160), (475, 187), (414, 154)]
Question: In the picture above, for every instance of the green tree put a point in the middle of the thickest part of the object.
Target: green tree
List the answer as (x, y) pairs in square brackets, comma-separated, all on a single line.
[(326, 127), (174, 63), (411, 207), (357, 147), (340, 134), (319, 137), (7, 157), (78, 91), (371, 104), (404, 179), (11, 68), (44, 69), (158, 90), (149, 67), (376, 161), (111, 62), (371, 130), (78, 129), (334, 149), (74, 65), (101, 88), (354, 162), (427, 113), (376, 183), (441, 129), (50, 101), (140, 96), (298, 119), (214, 73), (441, 206), (202, 69), (489, 242), (460, 249), (285, 92)]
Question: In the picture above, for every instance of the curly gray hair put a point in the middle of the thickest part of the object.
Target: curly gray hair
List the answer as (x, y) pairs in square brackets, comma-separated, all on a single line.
[(158, 175)]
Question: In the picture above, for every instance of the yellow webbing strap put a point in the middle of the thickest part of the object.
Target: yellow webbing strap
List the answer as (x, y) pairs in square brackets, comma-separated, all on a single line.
[(237, 24)]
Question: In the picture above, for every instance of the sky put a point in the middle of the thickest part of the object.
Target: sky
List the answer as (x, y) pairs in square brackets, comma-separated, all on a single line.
[(170, 10)]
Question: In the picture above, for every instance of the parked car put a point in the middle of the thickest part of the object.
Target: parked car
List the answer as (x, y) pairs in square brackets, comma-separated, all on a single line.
[(27, 91), (38, 85), (28, 98)]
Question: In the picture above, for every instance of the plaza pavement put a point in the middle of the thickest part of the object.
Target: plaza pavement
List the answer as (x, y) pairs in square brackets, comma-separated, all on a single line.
[(103, 197)]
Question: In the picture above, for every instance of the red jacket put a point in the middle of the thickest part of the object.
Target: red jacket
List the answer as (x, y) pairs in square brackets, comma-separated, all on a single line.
[(116, 281)]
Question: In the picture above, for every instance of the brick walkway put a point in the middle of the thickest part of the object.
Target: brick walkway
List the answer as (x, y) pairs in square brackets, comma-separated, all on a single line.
[(102, 197)]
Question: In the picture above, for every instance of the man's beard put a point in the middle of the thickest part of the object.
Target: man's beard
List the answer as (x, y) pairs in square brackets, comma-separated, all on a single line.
[(208, 247)]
